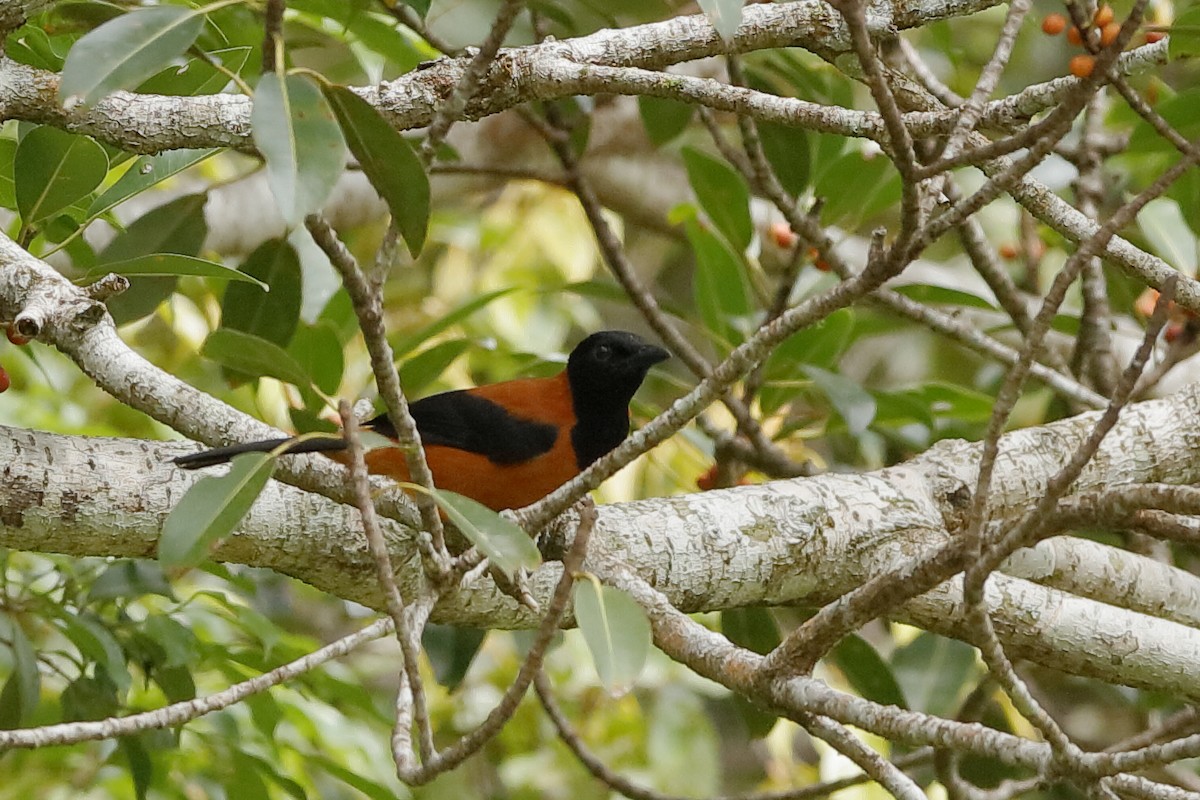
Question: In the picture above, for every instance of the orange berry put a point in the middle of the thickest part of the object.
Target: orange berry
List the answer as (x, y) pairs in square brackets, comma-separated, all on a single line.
[(16, 338), (1008, 251), (5, 381), (1074, 36), (1104, 15), (783, 235), (1082, 65), (1054, 24), (1155, 36), (1109, 33), (1146, 301)]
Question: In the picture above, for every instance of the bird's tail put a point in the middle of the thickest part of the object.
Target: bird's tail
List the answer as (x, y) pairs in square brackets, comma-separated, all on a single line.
[(219, 455)]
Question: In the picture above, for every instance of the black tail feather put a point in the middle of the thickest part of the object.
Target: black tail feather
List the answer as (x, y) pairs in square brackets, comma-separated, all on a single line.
[(219, 455)]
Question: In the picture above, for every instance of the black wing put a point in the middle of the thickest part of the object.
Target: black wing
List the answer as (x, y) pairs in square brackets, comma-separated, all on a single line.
[(475, 424)]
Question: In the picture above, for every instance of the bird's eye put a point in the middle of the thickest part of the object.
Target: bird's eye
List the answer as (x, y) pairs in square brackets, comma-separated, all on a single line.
[(603, 352)]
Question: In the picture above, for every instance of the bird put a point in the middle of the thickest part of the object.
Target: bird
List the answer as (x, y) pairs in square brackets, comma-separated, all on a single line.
[(504, 445)]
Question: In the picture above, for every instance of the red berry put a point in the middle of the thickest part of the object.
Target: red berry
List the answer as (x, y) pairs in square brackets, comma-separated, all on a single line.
[(1155, 36), (1082, 65), (5, 382), (1109, 33), (1054, 24), (1008, 251)]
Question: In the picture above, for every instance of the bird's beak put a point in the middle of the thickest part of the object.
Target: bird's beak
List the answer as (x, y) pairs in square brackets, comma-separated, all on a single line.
[(651, 355)]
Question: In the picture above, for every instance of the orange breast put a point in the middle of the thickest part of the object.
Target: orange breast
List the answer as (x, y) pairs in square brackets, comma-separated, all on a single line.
[(501, 486)]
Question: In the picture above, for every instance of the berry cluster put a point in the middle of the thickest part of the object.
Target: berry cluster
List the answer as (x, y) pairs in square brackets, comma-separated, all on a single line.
[(1102, 32)]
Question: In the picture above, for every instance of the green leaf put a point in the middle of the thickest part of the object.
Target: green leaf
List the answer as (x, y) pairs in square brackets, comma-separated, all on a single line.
[(388, 161), (254, 356), (1185, 34), (719, 287), (272, 315), (752, 628), (97, 644), (944, 295), (127, 50), (318, 351), (295, 130), (141, 767), (856, 188), (724, 15), (353, 779), (853, 403), (664, 119), (22, 691), (722, 194), (1167, 231), (211, 508), (616, 631), (90, 698), (8, 190), (869, 674), (1182, 112), (450, 650), (933, 672), (507, 546), (198, 76), (171, 264), (177, 227), (53, 169), (420, 370), (130, 579), (789, 153), (144, 172)]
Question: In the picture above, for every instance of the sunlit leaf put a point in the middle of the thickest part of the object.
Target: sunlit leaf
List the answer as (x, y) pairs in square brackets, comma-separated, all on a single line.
[(1185, 34), (295, 130), (507, 546), (616, 631), (97, 644), (317, 350), (53, 169), (422, 369), (211, 508), (125, 51), (144, 172), (388, 161), (1163, 224)]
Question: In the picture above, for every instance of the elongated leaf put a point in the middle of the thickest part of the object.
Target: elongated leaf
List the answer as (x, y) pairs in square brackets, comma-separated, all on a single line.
[(8, 193), (198, 76), (752, 628), (295, 130), (127, 50), (853, 403), (1164, 226), (616, 631), (253, 355), (272, 315), (723, 195), (933, 672), (172, 264), (719, 286), (867, 672), (22, 692), (97, 644), (790, 154), (52, 169), (211, 509), (145, 172), (451, 649), (724, 15), (388, 161), (420, 370), (506, 545)]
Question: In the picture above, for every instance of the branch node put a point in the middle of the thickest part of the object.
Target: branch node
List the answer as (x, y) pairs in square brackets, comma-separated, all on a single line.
[(107, 287)]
